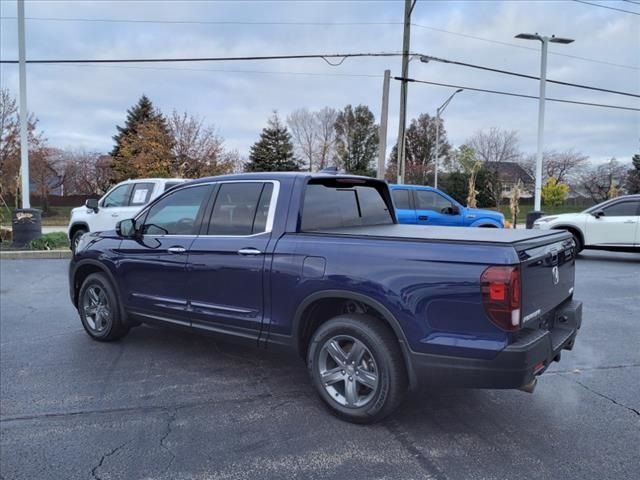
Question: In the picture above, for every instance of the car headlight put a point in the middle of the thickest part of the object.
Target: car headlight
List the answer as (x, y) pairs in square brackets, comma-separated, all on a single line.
[(545, 220)]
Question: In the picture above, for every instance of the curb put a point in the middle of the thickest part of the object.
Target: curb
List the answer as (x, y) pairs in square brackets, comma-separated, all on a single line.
[(35, 254)]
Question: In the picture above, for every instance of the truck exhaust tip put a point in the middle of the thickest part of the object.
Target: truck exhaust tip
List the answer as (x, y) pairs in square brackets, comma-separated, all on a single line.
[(529, 387)]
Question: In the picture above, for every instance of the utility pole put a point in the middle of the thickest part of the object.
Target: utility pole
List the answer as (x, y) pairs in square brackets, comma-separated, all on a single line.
[(544, 40), (24, 121), (384, 116), (408, 8)]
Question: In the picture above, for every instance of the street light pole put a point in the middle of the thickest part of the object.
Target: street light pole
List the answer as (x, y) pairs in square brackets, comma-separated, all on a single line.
[(24, 135), (437, 149), (544, 40)]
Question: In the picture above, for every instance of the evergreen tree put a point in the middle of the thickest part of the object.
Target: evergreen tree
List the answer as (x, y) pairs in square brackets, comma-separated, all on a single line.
[(273, 152), (356, 140), (420, 151), (144, 135), (633, 176)]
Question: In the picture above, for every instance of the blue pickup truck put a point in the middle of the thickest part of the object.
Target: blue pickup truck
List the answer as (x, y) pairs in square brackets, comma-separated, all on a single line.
[(317, 264), (422, 205)]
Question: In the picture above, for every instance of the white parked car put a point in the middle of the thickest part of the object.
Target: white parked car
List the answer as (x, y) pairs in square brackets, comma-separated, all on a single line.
[(121, 202), (611, 225)]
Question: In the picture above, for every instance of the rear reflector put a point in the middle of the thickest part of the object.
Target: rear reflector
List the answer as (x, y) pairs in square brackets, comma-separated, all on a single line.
[(501, 296)]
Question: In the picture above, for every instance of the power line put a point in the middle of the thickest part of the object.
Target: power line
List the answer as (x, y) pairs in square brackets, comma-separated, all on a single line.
[(606, 6), (631, 1), (522, 95), (523, 47), (181, 69), (201, 22), (533, 77), (340, 56), (313, 23)]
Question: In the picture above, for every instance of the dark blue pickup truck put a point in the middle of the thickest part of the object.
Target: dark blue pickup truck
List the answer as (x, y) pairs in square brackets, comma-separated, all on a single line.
[(317, 264)]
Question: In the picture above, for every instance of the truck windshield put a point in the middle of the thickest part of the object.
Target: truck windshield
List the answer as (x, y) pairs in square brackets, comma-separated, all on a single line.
[(334, 205)]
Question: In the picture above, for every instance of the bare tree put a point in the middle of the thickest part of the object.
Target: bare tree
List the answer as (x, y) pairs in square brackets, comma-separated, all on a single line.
[(198, 150), (314, 135), (603, 181), (326, 120), (85, 172), (564, 166), (495, 147), (10, 144), (304, 129), (46, 173)]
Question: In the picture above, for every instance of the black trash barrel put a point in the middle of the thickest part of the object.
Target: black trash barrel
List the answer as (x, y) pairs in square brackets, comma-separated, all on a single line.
[(533, 216), (27, 226)]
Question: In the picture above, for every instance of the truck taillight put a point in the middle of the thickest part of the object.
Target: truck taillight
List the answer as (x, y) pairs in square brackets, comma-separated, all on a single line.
[(501, 296)]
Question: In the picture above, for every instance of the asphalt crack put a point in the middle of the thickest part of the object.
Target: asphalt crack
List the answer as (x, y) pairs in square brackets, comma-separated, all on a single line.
[(94, 470), (402, 437), (606, 397), (163, 445)]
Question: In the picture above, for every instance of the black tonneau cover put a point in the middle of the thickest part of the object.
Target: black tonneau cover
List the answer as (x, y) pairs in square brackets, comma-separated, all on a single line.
[(495, 236)]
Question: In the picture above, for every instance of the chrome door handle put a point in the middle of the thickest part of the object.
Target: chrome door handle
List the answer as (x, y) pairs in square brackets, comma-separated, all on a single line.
[(249, 251), (176, 249), (629, 221), (114, 215)]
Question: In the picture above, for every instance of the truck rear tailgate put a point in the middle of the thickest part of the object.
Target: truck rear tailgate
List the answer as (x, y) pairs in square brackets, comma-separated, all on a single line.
[(547, 275)]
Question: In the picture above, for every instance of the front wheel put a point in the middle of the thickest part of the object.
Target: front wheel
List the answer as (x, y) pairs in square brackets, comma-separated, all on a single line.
[(99, 309), (75, 240), (357, 368)]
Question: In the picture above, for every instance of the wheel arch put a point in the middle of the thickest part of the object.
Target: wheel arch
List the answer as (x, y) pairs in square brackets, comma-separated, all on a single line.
[(321, 306), (82, 270), (486, 223), (573, 229), (77, 226)]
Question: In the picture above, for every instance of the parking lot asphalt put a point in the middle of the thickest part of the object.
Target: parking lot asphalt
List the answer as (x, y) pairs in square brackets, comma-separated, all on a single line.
[(163, 404)]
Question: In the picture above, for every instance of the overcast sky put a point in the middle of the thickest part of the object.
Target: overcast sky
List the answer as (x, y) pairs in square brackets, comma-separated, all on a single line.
[(79, 105)]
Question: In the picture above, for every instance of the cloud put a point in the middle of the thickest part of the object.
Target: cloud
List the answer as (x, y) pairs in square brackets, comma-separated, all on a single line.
[(80, 105)]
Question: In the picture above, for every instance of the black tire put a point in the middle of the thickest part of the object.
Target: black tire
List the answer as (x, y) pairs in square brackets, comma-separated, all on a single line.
[(76, 238), (107, 325), (578, 241), (386, 362)]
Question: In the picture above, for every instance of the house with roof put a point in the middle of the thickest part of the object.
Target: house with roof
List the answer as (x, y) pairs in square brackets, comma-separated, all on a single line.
[(509, 174)]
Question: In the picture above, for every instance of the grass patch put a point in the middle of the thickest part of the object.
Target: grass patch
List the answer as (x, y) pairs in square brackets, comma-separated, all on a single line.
[(50, 241)]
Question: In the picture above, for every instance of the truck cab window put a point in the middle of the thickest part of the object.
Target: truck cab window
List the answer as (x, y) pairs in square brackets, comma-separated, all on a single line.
[(241, 208), (431, 201), (329, 206), (177, 213), (118, 197), (401, 199)]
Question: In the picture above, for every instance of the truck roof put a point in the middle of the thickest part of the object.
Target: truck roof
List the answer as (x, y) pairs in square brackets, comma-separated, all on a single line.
[(279, 176)]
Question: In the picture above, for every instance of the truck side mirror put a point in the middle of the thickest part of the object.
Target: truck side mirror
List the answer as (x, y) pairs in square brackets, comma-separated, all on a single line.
[(92, 204), (598, 213), (126, 228)]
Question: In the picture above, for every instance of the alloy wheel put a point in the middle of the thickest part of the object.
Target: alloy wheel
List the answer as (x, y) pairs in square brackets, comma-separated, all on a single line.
[(96, 307), (348, 371)]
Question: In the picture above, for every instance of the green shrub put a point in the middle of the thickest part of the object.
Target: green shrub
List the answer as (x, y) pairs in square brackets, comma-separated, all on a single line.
[(50, 241)]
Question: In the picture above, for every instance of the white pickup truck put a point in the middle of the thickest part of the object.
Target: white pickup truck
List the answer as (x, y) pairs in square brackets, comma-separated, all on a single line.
[(122, 201)]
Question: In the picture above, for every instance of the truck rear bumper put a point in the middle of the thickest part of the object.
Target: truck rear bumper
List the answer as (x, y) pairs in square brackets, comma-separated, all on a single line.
[(515, 366)]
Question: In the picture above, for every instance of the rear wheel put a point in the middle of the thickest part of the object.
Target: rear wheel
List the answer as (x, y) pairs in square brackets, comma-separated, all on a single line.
[(357, 368), (99, 309)]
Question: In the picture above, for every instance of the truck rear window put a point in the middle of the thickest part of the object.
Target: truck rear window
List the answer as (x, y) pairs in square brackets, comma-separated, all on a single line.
[(330, 205)]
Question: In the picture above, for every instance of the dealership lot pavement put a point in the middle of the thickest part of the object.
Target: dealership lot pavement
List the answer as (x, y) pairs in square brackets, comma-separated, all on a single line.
[(163, 404)]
